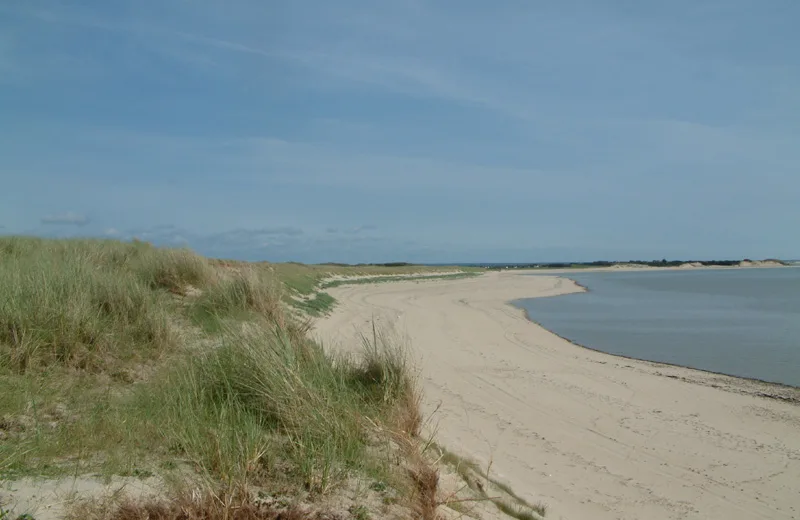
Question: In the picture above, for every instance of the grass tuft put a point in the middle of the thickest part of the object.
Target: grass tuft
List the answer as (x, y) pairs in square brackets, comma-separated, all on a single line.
[(63, 306), (383, 370), (244, 294), (479, 481), (172, 269), (264, 398), (521, 512), (317, 305), (238, 505)]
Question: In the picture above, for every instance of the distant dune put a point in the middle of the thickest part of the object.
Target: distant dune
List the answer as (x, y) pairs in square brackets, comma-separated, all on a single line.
[(762, 263)]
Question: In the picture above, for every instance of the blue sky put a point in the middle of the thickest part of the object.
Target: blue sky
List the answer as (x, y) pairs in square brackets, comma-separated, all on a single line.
[(416, 130)]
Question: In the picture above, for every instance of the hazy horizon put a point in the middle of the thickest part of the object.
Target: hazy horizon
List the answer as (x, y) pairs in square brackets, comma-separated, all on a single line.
[(417, 131)]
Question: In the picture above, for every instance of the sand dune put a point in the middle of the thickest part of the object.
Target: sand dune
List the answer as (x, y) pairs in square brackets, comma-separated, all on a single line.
[(593, 435)]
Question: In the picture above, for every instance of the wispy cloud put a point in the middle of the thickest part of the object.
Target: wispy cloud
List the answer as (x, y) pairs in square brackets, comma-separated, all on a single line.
[(282, 230), (282, 243), (424, 75), (243, 237), (69, 218), (361, 229), (238, 237)]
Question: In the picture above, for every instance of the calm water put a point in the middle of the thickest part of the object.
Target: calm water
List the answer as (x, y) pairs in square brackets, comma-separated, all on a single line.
[(743, 322)]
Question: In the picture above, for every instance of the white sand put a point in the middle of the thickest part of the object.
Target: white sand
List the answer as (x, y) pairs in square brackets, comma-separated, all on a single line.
[(51, 499), (592, 435)]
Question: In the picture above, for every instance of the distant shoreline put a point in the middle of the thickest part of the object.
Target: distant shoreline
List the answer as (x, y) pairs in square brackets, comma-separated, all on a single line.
[(630, 266)]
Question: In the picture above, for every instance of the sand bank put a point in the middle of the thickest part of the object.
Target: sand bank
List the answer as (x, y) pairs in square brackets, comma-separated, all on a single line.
[(593, 435)]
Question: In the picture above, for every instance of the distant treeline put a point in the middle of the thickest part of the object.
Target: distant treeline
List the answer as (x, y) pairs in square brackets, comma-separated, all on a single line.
[(604, 263), (388, 264)]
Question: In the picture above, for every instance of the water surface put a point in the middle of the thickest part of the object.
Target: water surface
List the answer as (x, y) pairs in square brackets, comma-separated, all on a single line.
[(743, 322)]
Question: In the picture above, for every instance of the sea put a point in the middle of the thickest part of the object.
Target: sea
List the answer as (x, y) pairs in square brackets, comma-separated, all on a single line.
[(741, 322)]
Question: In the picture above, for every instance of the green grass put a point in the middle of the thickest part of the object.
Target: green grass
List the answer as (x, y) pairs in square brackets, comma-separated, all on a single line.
[(263, 407), (6, 515), (315, 302), (243, 294), (264, 398), (317, 305), (88, 306), (61, 422), (306, 279), (126, 359), (360, 513), (399, 278)]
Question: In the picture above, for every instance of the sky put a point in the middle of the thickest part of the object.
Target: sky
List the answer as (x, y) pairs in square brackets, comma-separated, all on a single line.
[(423, 131)]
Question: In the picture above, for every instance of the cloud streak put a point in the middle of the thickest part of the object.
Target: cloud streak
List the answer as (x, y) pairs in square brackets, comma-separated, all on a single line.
[(65, 219), (282, 243)]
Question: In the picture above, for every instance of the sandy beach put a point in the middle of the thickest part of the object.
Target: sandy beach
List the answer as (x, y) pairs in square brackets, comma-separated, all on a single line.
[(592, 435)]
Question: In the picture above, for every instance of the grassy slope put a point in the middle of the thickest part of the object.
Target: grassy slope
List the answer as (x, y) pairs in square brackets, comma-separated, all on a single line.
[(306, 279), (305, 284), (125, 359)]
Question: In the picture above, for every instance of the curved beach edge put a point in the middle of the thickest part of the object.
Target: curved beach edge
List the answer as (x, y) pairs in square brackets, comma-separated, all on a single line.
[(729, 382), (589, 434)]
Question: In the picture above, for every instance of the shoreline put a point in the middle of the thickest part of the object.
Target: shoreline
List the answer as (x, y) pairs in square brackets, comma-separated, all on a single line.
[(689, 266), (795, 390), (591, 434)]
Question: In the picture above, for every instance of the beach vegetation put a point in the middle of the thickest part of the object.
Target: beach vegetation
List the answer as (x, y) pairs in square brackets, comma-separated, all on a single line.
[(129, 360)]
